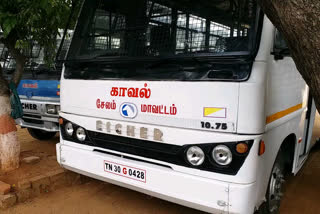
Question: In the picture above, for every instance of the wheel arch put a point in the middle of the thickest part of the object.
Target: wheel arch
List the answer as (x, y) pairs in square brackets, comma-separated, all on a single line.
[(287, 149)]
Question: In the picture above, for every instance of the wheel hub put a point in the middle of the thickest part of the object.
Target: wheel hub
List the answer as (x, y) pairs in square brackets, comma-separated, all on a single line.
[(275, 189)]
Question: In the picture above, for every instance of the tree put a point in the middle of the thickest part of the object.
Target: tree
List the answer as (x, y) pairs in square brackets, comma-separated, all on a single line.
[(299, 23), (23, 22)]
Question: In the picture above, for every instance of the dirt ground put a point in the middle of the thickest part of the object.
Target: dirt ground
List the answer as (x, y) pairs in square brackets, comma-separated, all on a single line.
[(302, 194), (301, 197), (31, 147)]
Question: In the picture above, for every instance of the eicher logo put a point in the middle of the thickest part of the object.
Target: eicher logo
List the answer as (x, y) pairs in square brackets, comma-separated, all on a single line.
[(29, 106), (128, 110), (129, 130)]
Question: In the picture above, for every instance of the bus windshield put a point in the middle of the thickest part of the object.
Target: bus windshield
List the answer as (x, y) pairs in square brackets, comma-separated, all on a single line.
[(145, 28)]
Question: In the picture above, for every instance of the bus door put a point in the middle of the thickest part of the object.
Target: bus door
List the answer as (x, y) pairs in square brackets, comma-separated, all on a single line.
[(308, 127)]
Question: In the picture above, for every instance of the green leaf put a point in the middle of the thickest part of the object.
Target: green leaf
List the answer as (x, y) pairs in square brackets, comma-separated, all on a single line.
[(34, 20), (9, 23)]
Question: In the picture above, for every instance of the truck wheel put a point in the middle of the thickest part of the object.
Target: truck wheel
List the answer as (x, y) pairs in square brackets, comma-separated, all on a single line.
[(275, 188), (40, 134)]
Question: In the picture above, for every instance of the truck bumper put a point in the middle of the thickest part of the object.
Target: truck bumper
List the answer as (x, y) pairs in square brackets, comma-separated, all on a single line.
[(42, 124), (37, 117), (197, 192)]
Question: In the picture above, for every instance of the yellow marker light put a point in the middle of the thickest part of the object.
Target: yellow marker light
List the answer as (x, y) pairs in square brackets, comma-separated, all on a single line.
[(262, 148), (242, 148)]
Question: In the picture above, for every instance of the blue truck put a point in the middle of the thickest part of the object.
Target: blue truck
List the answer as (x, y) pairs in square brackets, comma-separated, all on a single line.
[(40, 99)]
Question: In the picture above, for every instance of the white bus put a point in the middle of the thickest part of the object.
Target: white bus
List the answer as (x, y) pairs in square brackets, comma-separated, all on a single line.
[(195, 102)]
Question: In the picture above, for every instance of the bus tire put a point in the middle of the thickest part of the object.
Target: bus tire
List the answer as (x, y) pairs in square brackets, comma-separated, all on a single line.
[(40, 134), (275, 188)]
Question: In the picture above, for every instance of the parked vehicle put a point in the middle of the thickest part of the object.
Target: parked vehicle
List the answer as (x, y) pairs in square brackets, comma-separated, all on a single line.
[(39, 91), (195, 102)]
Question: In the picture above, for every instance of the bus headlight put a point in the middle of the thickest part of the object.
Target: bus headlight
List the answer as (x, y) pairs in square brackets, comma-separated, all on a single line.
[(195, 156), (222, 155), (81, 134), (69, 129), (51, 109)]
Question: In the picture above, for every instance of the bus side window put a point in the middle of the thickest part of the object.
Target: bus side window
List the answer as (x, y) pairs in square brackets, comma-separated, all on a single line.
[(280, 47)]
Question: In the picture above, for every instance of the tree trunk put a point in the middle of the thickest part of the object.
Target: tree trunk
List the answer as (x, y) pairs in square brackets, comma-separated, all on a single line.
[(299, 22), (9, 144), (20, 64)]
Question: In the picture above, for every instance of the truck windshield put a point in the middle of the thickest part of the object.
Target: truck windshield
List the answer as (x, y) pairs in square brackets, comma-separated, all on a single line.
[(164, 27), (115, 30), (36, 66)]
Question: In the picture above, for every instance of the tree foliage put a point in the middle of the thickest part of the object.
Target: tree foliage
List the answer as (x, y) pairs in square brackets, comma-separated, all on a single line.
[(26, 22)]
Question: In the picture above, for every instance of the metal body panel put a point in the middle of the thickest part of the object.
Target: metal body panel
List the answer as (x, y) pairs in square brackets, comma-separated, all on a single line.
[(166, 95)]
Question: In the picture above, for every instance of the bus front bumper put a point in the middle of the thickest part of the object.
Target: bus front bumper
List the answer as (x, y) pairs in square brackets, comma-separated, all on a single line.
[(192, 191)]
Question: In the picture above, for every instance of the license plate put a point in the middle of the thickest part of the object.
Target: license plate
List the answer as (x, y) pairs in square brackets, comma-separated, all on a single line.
[(125, 171)]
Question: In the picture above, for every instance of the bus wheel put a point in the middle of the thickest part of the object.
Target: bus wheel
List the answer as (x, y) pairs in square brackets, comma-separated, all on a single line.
[(275, 188), (40, 134)]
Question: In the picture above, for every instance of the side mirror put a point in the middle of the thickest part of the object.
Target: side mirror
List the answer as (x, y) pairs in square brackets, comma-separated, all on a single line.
[(279, 54), (280, 47)]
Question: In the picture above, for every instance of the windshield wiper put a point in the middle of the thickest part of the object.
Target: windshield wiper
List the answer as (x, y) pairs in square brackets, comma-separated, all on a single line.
[(161, 62), (182, 63), (105, 54)]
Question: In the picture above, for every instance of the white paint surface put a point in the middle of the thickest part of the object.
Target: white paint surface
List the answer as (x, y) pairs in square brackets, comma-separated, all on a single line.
[(9, 151), (5, 107)]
